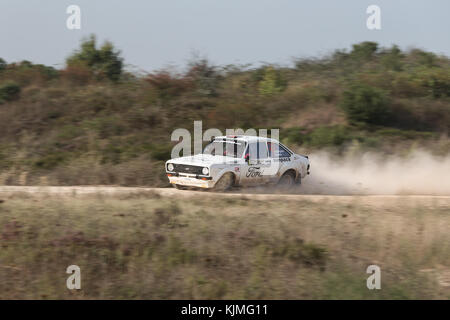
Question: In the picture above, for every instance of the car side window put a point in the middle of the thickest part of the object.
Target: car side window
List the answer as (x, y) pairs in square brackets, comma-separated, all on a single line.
[(258, 150), (277, 151)]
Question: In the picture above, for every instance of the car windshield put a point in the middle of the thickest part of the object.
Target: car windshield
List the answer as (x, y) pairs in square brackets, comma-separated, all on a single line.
[(229, 148)]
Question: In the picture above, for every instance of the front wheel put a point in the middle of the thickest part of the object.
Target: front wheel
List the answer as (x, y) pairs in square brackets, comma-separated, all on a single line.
[(225, 182), (179, 187)]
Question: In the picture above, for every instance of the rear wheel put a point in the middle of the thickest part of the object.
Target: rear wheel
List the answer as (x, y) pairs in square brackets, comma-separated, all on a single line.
[(225, 182), (287, 180)]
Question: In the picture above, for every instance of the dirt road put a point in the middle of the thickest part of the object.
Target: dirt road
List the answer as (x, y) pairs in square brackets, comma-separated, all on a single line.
[(256, 194)]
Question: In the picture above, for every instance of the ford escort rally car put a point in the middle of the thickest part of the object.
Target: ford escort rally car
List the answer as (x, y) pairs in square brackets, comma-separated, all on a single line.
[(229, 161)]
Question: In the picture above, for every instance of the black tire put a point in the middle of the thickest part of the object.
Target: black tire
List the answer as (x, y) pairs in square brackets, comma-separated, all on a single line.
[(225, 182), (287, 180), (177, 186)]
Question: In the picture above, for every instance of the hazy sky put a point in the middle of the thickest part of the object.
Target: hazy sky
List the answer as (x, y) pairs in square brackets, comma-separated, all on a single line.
[(153, 34)]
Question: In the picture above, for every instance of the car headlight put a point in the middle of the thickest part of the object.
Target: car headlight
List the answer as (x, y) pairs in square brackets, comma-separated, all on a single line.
[(170, 167), (205, 171)]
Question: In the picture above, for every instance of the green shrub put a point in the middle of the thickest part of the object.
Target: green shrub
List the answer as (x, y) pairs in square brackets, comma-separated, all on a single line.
[(328, 136), (103, 63), (436, 82), (107, 126), (168, 86), (69, 132), (293, 135), (205, 77), (271, 82), (392, 59), (50, 160), (25, 73), (9, 91), (405, 134), (161, 152), (112, 153), (366, 104), (424, 58), (364, 50), (298, 251), (5, 160), (2, 64), (405, 85)]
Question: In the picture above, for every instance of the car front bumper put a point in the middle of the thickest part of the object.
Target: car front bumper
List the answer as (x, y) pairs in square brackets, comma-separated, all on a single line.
[(191, 182)]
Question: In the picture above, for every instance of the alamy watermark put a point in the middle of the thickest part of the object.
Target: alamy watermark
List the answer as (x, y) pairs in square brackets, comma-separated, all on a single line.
[(373, 22), (73, 22), (74, 280), (230, 147), (374, 281), (183, 147)]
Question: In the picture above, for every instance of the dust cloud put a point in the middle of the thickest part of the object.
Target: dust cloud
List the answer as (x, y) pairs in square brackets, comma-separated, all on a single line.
[(419, 173)]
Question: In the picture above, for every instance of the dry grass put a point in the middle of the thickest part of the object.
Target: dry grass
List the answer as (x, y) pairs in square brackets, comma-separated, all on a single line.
[(147, 246)]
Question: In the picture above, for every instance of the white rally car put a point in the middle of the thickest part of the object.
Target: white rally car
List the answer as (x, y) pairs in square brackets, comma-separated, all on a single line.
[(238, 161)]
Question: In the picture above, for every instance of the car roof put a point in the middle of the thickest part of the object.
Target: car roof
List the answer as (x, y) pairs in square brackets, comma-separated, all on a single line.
[(246, 138)]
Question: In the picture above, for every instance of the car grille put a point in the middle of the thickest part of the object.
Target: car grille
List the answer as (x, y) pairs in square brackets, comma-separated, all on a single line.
[(184, 168)]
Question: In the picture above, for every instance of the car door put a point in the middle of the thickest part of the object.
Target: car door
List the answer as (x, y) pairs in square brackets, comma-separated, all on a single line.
[(280, 157), (256, 163)]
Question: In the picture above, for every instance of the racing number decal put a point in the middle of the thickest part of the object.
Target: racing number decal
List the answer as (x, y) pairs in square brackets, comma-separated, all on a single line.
[(254, 172)]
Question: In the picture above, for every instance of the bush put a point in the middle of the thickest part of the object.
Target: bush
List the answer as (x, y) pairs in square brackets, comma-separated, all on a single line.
[(205, 76), (424, 58), (77, 72), (161, 152), (392, 59), (328, 136), (436, 82), (103, 63), (168, 86), (364, 50), (25, 73), (404, 85), (9, 91), (272, 82), (363, 103), (293, 135), (2, 64), (50, 160)]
